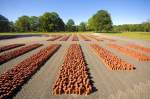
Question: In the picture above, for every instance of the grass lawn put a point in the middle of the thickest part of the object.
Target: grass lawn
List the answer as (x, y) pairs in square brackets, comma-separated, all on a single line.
[(132, 35)]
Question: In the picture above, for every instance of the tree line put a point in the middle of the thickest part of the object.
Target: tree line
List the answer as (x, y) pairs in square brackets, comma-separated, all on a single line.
[(51, 22), (48, 22), (143, 27)]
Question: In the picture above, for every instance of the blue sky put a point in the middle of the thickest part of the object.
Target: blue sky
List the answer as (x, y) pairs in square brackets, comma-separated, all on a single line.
[(122, 11)]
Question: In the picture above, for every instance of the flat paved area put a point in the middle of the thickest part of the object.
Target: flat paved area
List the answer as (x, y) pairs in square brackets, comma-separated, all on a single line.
[(109, 84)]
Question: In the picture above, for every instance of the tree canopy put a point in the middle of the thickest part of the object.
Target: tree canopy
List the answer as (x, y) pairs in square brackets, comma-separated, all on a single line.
[(101, 21), (49, 22), (34, 23), (70, 25), (4, 24), (82, 27), (23, 24)]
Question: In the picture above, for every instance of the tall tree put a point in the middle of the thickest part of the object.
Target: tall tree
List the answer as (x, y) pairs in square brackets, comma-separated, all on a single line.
[(146, 26), (4, 24), (49, 22), (101, 21), (70, 26), (23, 24), (12, 27), (82, 27), (34, 23)]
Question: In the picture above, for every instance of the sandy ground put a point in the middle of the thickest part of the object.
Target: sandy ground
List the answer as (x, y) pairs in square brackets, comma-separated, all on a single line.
[(109, 84), (23, 40)]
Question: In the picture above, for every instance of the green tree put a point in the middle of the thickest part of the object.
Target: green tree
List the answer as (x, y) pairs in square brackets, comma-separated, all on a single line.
[(70, 22), (23, 24), (34, 23), (101, 21), (4, 24), (82, 27), (60, 25), (146, 26), (49, 22), (70, 26), (143, 27), (12, 27)]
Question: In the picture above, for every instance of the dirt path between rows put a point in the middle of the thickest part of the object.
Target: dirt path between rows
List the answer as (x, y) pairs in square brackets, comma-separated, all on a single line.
[(108, 84)]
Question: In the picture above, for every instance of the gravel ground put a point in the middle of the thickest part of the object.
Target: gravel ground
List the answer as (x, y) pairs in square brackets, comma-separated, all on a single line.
[(108, 84)]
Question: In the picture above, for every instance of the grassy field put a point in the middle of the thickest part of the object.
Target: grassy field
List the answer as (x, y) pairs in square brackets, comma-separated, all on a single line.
[(132, 35)]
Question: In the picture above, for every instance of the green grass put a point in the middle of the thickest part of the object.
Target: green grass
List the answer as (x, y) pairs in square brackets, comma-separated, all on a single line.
[(132, 35)]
